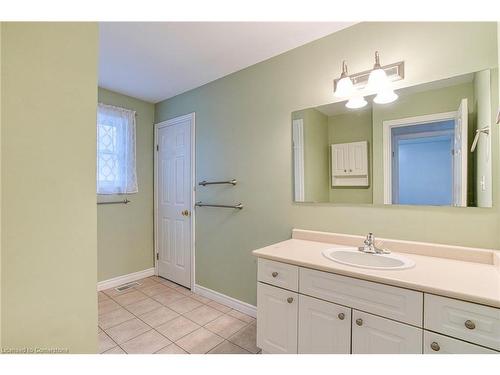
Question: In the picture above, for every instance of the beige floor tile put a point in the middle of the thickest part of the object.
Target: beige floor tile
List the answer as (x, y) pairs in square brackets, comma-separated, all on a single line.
[(171, 349), (167, 283), (155, 289), (184, 291), (147, 343), (159, 316), (115, 350), (225, 326), (199, 342), (128, 330), (107, 306), (219, 306), (246, 338), (101, 297), (130, 298), (144, 306), (228, 348), (177, 328), (203, 314), (184, 305), (146, 283), (112, 292), (105, 342), (114, 318), (243, 317), (202, 299), (168, 297)]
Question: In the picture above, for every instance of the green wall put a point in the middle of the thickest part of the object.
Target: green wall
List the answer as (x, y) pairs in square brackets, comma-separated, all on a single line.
[(243, 131), (418, 104), (316, 159), (355, 126), (125, 232), (48, 167)]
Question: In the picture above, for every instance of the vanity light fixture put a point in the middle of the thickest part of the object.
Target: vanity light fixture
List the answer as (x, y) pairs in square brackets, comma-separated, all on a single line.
[(378, 82), (344, 87)]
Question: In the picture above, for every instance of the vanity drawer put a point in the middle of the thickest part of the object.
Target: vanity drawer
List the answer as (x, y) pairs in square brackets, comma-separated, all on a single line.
[(280, 274), (468, 321), (434, 343), (395, 303)]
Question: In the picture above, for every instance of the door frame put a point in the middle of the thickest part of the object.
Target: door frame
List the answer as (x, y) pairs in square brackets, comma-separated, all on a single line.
[(388, 125), (173, 121)]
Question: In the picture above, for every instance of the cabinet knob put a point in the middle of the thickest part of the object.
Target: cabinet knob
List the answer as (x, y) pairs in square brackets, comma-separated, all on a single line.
[(289, 299), (345, 170), (274, 274), (341, 316), (470, 324), (359, 322), (435, 346), (350, 170)]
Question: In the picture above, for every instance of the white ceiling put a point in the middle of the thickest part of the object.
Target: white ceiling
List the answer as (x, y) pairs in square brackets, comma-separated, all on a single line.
[(154, 61)]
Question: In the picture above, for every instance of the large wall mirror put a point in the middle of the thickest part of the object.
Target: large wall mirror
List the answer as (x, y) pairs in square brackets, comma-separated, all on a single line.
[(430, 147)]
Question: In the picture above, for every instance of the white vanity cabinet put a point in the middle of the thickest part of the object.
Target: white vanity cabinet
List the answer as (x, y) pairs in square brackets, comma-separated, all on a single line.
[(324, 327), (375, 335), (302, 310), (277, 317)]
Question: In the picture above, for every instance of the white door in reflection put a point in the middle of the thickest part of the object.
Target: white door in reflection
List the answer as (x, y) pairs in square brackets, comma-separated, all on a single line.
[(429, 159)]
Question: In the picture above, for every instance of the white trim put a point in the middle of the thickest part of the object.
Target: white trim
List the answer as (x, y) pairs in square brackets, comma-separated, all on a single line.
[(298, 159), (234, 303), (173, 121), (387, 144), (120, 280)]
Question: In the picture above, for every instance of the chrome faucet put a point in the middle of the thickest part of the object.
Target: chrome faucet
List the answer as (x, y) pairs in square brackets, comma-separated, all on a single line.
[(370, 247)]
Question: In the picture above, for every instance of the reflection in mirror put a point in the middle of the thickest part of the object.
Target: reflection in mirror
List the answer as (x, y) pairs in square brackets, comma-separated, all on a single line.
[(430, 147)]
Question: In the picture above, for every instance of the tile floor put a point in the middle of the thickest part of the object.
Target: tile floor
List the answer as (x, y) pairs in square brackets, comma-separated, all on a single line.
[(161, 317)]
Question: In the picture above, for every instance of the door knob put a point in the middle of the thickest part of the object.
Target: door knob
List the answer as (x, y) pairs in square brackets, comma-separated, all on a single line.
[(470, 324), (185, 213)]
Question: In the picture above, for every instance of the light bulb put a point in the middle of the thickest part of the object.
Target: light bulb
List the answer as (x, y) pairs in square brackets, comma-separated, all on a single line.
[(356, 101), (344, 88), (377, 80), (385, 97)]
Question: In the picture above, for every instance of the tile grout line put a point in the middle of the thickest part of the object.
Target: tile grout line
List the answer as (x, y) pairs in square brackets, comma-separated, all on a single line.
[(180, 314)]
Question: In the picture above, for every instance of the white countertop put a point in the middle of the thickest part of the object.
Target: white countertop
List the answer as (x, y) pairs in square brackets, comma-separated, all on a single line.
[(466, 280)]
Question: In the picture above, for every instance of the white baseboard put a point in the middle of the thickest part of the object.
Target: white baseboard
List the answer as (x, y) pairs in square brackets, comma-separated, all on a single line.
[(234, 303), (120, 280)]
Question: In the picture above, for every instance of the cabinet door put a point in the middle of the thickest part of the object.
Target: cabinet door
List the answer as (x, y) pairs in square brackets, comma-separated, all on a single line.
[(358, 158), (324, 327), (340, 160), (375, 335), (277, 313)]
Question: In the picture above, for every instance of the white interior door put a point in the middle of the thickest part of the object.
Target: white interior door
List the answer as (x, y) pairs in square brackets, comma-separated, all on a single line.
[(460, 153), (174, 201)]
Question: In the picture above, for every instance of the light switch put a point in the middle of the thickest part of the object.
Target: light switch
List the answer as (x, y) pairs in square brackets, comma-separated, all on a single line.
[(483, 183)]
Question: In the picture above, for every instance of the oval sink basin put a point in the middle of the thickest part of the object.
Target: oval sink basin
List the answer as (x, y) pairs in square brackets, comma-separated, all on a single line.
[(354, 257)]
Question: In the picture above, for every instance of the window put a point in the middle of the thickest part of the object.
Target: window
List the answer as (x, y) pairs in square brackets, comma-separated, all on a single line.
[(116, 172)]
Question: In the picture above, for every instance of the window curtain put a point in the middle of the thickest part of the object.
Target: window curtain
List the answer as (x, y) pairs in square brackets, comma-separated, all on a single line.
[(116, 167)]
